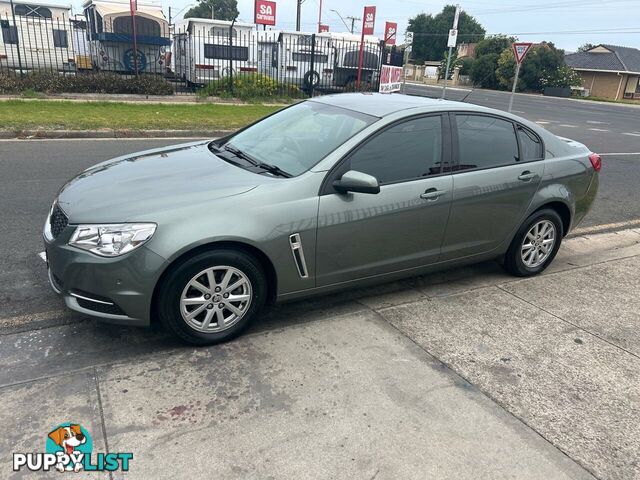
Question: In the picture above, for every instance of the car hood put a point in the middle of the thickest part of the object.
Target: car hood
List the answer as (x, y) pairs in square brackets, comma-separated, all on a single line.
[(137, 186)]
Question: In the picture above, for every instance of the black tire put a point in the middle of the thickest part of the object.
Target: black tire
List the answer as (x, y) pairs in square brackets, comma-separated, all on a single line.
[(513, 261), (311, 79), (168, 298)]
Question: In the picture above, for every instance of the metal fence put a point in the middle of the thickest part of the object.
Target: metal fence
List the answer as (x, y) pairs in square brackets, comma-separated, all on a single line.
[(195, 54)]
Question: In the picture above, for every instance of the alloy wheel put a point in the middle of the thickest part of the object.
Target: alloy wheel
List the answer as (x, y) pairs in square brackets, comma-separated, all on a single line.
[(216, 299), (538, 243)]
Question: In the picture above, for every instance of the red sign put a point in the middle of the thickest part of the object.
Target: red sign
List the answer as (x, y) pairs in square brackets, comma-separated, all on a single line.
[(368, 20), (520, 50), (390, 79), (390, 33), (265, 12), (323, 28)]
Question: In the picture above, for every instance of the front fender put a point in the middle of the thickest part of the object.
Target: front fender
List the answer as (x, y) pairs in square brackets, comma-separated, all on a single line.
[(263, 220)]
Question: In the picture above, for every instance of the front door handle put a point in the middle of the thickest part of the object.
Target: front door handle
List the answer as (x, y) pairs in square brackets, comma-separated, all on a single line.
[(526, 176), (432, 194)]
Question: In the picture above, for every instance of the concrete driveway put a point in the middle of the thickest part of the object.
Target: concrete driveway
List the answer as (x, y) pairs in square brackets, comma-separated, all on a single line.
[(464, 374)]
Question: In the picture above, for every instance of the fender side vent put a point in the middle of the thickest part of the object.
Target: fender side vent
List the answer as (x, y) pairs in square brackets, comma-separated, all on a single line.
[(298, 255)]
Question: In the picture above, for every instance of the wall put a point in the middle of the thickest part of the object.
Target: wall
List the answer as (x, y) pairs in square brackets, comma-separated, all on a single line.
[(604, 84)]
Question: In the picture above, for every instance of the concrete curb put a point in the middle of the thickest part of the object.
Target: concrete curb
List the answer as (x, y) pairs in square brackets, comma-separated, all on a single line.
[(70, 134)]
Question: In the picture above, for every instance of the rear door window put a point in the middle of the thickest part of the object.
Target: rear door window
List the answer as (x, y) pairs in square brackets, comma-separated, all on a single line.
[(485, 142)]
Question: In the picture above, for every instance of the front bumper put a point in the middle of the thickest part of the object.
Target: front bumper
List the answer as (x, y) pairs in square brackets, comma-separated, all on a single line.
[(117, 290)]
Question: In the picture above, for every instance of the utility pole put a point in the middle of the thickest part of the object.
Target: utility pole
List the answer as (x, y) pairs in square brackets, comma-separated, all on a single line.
[(319, 16), (353, 22), (299, 8), (213, 15)]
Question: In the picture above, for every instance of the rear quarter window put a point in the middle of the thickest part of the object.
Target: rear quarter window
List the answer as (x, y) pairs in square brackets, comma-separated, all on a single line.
[(530, 144)]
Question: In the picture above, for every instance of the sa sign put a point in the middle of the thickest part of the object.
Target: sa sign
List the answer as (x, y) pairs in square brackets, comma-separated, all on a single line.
[(369, 20), (265, 12), (390, 33)]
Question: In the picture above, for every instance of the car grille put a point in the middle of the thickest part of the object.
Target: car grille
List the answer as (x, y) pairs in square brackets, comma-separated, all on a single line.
[(57, 221)]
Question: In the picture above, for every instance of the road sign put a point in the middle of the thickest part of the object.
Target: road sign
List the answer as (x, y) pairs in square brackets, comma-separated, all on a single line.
[(520, 50), (408, 38), (451, 43), (453, 38), (265, 12), (456, 17), (369, 20), (323, 28), (390, 32)]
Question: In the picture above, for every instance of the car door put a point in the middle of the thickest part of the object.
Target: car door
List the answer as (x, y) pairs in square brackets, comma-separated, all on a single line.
[(402, 226), (497, 170)]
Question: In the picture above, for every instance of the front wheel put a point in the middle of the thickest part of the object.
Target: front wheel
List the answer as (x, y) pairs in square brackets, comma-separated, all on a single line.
[(535, 245), (212, 297)]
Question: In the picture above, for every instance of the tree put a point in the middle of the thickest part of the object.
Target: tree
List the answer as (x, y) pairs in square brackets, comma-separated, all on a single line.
[(542, 62), (466, 64), (496, 44), (455, 62), (430, 32), (222, 9), (585, 47), (483, 71)]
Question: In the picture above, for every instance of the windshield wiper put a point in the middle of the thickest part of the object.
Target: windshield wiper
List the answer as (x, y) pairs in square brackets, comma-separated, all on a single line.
[(273, 169)]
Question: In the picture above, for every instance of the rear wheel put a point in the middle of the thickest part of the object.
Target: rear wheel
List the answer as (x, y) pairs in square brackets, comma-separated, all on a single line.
[(212, 297), (535, 245)]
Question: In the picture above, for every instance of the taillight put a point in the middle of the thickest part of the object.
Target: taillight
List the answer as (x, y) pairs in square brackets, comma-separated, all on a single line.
[(596, 161)]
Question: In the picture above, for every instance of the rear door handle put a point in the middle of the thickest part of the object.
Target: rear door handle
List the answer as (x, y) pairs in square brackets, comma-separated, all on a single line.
[(526, 176), (432, 194)]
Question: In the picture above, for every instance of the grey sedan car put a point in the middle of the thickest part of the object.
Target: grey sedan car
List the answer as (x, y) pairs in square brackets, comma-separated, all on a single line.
[(331, 193)]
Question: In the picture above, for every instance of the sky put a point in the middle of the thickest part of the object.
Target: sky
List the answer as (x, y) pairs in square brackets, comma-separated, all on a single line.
[(567, 23)]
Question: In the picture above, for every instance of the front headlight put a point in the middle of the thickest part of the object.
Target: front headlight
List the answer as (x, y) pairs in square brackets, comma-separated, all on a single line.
[(112, 240)]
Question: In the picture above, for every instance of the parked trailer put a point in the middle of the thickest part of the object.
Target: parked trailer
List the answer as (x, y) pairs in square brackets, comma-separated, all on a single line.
[(80, 43), (206, 50), (293, 58), (41, 32), (346, 51), (111, 40)]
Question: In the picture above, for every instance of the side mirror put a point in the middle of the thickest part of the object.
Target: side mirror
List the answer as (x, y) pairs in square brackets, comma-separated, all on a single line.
[(353, 181)]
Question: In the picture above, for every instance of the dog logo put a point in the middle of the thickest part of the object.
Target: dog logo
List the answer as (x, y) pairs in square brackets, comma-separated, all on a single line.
[(70, 439), (69, 448)]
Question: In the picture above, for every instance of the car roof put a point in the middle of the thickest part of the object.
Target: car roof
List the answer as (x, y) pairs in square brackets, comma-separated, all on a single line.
[(383, 104)]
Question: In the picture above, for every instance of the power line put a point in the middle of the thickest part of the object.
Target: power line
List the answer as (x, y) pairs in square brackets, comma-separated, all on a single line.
[(565, 32)]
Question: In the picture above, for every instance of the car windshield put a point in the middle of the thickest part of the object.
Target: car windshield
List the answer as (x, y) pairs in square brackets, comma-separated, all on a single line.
[(298, 137)]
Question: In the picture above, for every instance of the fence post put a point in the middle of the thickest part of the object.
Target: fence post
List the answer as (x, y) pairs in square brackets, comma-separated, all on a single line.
[(231, 56), (15, 25), (313, 64), (383, 53)]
